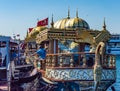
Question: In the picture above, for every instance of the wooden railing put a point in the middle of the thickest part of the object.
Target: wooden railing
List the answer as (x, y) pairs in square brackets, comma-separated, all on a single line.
[(109, 61), (71, 60), (78, 59)]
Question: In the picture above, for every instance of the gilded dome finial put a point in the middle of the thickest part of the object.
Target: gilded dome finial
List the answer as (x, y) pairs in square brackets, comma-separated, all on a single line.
[(77, 13), (68, 13), (104, 25), (52, 22)]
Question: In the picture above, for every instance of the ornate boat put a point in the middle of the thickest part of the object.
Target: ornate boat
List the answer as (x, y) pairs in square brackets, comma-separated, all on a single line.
[(68, 67)]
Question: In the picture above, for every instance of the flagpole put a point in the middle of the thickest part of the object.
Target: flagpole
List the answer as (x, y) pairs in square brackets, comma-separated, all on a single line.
[(37, 22), (18, 50), (37, 19), (48, 21)]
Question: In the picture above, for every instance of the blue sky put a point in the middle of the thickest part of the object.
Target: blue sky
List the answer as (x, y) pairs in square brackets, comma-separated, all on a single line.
[(16, 16)]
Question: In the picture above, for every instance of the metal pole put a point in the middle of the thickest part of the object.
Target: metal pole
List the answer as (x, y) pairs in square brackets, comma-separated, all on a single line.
[(9, 77), (19, 50), (8, 66)]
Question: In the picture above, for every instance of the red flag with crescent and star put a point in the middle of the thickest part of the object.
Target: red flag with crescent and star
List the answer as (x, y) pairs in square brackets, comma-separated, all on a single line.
[(43, 22)]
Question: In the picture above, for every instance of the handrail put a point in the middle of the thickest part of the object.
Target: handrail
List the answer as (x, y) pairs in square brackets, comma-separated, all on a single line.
[(70, 60), (108, 61), (70, 53)]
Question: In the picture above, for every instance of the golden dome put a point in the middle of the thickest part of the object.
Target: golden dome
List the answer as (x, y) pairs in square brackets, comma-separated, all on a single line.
[(36, 30), (77, 23), (32, 35), (60, 24), (71, 23)]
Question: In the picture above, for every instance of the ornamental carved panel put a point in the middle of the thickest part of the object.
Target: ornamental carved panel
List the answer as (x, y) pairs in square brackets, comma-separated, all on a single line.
[(78, 74)]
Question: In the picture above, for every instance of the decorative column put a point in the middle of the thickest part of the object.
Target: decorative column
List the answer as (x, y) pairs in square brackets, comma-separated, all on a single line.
[(48, 61), (114, 61), (111, 61), (71, 61), (55, 57), (53, 61), (80, 49), (51, 46), (106, 61), (53, 49), (84, 61), (79, 56), (61, 61)]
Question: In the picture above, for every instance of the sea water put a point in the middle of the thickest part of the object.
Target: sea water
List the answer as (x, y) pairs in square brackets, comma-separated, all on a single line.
[(117, 83)]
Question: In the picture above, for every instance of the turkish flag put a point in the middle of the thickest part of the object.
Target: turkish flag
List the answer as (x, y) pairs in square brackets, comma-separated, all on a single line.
[(30, 29), (43, 22)]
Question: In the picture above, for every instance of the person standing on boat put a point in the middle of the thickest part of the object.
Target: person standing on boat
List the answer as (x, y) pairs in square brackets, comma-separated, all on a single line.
[(41, 52), (13, 57)]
